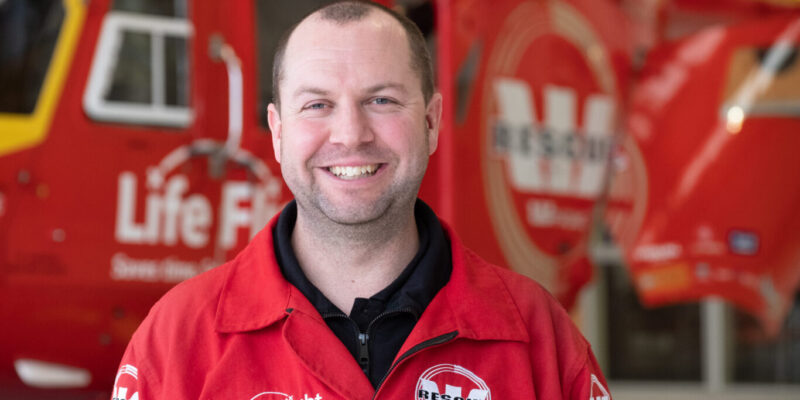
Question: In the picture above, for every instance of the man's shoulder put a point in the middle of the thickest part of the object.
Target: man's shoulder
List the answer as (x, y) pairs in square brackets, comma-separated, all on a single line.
[(548, 324), (538, 308), (201, 286), (202, 292), (192, 298), (520, 287)]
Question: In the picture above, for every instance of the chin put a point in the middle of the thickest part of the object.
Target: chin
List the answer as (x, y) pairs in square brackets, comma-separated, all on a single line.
[(356, 213), (354, 217)]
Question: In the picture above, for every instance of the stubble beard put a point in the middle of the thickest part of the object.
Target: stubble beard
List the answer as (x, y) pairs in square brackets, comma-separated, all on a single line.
[(358, 223)]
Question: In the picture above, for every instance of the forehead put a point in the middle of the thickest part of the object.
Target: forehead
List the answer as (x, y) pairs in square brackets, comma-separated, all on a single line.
[(365, 52)]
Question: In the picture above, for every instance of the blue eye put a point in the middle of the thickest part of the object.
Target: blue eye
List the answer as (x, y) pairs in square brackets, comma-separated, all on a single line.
[(382, 100), (317, 106)]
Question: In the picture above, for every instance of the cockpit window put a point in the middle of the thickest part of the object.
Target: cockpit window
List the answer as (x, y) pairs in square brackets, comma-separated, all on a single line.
[(140, 72), (28, 33), (163, 8)]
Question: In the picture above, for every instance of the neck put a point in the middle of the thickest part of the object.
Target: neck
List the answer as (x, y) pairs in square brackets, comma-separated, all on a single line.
[(349, 261)]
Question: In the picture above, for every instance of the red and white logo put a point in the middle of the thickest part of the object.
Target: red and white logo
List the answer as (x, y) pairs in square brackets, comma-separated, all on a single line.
[(283, 396), (451, 382), (548, 135), (598, 392), (126, 382), (271, 396), (176, 222)]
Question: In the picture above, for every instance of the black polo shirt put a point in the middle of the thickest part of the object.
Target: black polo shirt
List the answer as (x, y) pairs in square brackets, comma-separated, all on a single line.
[(375, 328)]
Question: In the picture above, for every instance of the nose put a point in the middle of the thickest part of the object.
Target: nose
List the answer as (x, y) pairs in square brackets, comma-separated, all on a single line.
[(351, 127)]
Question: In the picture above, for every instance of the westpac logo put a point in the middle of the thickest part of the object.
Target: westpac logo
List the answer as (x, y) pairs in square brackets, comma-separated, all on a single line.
[(549, 112), (451, 382), (553, 157), (125, 382)]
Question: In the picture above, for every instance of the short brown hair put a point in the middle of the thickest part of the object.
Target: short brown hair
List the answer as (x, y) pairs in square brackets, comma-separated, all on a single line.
[(344, 12)]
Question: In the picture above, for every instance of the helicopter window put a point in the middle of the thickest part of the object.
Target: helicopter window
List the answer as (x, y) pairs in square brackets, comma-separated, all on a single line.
[(152, 7), (140, 72), (132, 75), (28, 34)]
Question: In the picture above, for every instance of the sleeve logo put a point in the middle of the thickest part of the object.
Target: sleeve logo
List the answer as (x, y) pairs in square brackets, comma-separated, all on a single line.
[(126, 381), (598, 391)]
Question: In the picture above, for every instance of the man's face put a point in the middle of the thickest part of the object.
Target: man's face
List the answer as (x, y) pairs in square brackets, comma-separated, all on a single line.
[(354, 133)]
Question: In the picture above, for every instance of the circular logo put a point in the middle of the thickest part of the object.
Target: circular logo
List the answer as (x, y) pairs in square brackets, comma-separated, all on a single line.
[(271, 396), (126, 383), (598, 391), (451, 380), (549, 114)]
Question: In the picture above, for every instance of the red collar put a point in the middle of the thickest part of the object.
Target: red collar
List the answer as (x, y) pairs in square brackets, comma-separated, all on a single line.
[(476, 301)]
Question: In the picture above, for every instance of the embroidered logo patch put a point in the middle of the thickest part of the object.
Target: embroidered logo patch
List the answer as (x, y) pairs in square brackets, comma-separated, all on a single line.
[(598, 391), (126, 382), (451, 382), (283, 396)]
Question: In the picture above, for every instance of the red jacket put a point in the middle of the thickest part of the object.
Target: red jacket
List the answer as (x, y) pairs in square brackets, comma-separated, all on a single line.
[(241, 332)]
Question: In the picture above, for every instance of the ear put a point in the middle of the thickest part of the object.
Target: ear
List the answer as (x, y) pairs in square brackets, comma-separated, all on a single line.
[(274, 120), (433, 117)]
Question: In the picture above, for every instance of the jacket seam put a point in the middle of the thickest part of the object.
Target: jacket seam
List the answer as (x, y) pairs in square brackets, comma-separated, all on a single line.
[(143, 368), (520, 318), (581, 364), (219, 323)]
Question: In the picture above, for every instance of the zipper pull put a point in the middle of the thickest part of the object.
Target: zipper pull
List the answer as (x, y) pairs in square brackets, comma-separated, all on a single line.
[(363, 354)]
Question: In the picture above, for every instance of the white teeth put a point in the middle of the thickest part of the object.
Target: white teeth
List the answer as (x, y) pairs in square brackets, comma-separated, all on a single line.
[(353, 172)]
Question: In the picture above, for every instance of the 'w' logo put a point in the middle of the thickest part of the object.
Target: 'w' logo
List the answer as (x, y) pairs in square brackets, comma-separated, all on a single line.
[(126, 378), (429, 389), (554, 156)]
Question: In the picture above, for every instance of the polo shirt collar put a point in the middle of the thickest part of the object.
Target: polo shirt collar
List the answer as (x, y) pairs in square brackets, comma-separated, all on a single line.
[(416, 286)]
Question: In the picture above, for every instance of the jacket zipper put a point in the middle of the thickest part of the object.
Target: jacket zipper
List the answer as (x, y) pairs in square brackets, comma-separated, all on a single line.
[(363, 352), (416, 349), (363, 338), (363, 341)]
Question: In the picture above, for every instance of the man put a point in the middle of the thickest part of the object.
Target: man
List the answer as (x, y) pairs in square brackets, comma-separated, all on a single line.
[(356, 290)]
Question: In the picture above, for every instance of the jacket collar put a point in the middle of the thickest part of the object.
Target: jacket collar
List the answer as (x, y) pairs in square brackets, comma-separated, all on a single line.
[(255, 294), (475, 302)]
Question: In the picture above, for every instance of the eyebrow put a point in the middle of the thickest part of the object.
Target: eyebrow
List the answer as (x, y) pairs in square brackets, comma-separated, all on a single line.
[(387, 85), (310, 90), (372, 89)]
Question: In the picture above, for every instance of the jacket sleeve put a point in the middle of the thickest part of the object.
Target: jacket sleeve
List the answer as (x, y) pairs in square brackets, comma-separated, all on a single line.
[(133, 380), (589, 383), (139, 376)]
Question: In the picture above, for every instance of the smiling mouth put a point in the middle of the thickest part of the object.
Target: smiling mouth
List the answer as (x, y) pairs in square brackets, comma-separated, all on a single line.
[(354, 172)]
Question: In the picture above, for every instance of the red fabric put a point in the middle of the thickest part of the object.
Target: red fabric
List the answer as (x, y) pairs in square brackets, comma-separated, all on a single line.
[(240, 331), (534, 91), (714, 205)]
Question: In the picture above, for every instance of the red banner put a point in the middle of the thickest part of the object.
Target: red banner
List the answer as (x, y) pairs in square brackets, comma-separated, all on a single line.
[(709, 182), (537, 89)]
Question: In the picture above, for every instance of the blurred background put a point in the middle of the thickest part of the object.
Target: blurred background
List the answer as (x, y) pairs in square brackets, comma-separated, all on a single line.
[(639, 158)]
